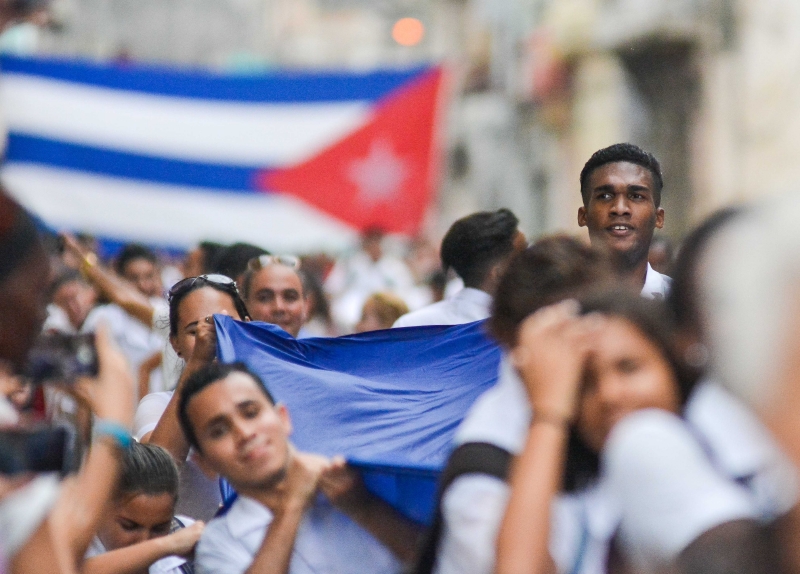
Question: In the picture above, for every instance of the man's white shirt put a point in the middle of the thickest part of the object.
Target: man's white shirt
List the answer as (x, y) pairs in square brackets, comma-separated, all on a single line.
[(466, 306), (327, 542)]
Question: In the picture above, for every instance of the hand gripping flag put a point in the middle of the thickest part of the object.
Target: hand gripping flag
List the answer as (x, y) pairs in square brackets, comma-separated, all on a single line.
[(389, 401), (288, 160)]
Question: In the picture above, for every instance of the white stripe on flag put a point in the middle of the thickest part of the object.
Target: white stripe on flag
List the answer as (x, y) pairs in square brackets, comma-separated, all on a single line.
[(238, 133), (176, 216)]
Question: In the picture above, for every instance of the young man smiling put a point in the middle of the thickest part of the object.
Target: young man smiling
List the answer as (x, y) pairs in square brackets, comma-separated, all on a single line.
[(297, 513), (621, 188)]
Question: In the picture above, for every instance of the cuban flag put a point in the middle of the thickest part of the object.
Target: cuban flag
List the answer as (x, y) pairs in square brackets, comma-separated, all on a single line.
[(291, 161), (389, 401)]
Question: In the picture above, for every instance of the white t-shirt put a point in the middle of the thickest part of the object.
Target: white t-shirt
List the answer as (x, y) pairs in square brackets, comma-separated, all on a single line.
[(198, 495), (466, 306), (166, 565), (327, 542)]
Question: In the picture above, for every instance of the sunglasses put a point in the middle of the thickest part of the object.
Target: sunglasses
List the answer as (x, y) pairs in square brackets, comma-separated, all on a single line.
[(215, 278), (258, 263)]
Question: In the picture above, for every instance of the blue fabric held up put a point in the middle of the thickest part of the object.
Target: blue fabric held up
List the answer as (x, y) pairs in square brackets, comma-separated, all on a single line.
[(389, 401)]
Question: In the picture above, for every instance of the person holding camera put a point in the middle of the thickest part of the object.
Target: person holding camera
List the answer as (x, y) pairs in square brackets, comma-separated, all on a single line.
[(46, 525)]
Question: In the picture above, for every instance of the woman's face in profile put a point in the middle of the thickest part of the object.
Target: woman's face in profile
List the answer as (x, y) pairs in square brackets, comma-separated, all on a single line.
[(625, 372)]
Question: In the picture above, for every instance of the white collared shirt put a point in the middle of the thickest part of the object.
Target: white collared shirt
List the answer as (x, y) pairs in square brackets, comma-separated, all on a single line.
[(466, 306), (327, 542), (656, 285)]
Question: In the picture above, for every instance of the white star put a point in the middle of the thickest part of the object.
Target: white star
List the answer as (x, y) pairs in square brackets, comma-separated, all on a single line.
[(379, 175)]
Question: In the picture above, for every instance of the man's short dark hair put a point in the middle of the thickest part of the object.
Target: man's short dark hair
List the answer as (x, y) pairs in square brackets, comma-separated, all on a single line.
[(623, 152), (232, 260), (201, 379), (131, 252), (475, 242)]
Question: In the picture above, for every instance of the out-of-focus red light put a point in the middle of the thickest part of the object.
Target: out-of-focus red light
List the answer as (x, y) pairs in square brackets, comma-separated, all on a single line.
[(408, 31)]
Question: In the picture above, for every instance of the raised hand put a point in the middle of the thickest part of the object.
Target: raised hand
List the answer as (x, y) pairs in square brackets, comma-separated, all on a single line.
[(182, 541), (551, 352)]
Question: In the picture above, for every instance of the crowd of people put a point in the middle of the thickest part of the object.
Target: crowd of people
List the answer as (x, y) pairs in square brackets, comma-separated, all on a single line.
[(640, 422)]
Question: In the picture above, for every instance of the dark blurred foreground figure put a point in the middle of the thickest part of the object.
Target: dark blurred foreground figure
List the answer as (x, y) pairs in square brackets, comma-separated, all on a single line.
[(621, 188), (46, 526), (477, 247)]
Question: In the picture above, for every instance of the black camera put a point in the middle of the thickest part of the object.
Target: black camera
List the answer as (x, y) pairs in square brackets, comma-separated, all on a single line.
[(60, 358)]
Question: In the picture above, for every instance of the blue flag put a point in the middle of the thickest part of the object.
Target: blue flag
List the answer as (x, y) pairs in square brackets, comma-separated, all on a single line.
[(389, 401)]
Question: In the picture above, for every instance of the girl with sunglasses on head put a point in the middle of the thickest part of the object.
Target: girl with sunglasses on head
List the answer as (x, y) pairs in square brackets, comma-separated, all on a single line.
[(192, 304), (612, 478)]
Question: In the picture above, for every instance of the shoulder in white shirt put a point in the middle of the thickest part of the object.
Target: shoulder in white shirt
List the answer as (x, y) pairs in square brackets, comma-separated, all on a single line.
[(666, 487), (327, 541), (466, 306), (656, 285)]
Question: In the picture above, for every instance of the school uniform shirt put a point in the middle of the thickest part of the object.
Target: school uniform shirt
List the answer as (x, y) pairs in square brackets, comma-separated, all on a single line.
[(166, 565), (466, 306), (327, 542), (656, 285)]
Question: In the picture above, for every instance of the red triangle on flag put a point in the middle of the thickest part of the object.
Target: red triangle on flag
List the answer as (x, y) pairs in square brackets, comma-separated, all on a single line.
[(382, 175)]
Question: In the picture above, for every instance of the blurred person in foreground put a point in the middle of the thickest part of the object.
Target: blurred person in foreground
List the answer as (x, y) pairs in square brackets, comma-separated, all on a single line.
[(749, 279), (46, 526), (478, 248), (380, 311), (473, 492), (368, 271), (621, 188), (273, 291), (641, 490), (296, 512)]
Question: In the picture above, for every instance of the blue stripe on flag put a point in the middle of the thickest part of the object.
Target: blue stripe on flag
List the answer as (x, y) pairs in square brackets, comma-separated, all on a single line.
[(275, 87), (53, 153)]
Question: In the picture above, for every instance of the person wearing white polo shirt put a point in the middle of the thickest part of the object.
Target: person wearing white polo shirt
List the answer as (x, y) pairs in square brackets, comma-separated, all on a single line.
[(296, 513), (477, 247)]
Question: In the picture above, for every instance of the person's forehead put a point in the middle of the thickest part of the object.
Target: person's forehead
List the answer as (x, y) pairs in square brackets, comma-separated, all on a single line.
[(149, 509), (620, 337), (203, 302), (620, 172), (277, 278), (222, 396)]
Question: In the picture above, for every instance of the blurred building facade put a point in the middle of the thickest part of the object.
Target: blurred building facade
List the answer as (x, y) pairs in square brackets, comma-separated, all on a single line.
[(708, 85)]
